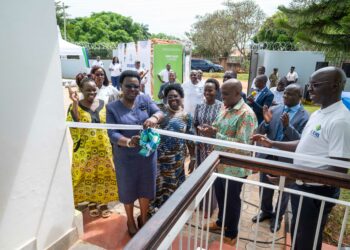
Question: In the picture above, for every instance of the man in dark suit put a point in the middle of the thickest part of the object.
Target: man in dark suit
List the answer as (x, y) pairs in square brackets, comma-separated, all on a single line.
[(284, 122), (261, 97)]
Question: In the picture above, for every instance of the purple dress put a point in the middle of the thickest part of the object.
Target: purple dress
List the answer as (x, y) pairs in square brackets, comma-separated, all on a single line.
[(136, 175)]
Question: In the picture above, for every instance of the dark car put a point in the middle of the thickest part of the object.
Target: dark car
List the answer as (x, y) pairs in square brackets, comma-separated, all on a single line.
[(205, 65)]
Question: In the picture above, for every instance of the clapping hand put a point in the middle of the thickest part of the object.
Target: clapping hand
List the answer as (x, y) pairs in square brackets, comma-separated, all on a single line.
[(267, 113), (285, 120)]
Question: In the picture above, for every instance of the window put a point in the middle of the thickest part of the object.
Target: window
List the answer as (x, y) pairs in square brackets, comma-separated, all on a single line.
[(73, 57)]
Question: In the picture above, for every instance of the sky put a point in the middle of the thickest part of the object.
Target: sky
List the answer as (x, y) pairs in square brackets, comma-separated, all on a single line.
[(169, 17)]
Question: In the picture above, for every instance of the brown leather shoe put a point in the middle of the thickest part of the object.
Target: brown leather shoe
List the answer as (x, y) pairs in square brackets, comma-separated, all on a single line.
[(212, 226), (230, 241)]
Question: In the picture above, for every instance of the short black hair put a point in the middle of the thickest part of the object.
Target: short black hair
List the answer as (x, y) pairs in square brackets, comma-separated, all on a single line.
[(214, 81), (84, 81), (129, 73), (177, 87), (230, 74)]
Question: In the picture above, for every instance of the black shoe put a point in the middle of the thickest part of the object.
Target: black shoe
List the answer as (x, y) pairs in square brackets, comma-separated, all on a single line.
[(139, 222), (272, 225), (262, 216)]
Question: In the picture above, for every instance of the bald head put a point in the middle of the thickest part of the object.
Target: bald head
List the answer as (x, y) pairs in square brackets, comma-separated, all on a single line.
[(231, 92), (292, 95), (295, 88), (326, 86), (233, 84), (333, 75)]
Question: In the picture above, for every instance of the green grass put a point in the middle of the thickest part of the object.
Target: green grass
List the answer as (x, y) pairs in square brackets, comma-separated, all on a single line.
[(310, 108), (213, 75), (241, 77)]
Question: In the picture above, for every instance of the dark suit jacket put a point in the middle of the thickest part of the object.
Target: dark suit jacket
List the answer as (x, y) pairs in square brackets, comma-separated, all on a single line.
[(265, 98), (291, 133)]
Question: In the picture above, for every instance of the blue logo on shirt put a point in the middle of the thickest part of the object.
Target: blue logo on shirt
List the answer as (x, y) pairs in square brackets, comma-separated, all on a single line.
[(316, 132)]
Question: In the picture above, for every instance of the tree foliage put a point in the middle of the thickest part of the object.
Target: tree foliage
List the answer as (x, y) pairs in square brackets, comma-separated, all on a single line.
[(217, 33), (271, 30), (322, 24), (106, 27)]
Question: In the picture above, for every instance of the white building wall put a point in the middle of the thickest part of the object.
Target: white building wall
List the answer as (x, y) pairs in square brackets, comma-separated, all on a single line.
[(304, 62), (35, 182)]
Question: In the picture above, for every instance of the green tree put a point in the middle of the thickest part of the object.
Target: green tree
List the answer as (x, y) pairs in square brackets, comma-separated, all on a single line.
[(271, 30), (216, 34), (211, 35), (322, 24), (106, 27)]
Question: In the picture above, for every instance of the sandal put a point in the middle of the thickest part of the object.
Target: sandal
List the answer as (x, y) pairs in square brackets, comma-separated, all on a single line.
[(93, 211), (81, 206), (105, 213)]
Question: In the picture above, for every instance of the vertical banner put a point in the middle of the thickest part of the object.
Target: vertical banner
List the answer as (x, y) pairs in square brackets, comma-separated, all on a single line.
[(121, 55), (162, 55), (144, 55), (130, 56)]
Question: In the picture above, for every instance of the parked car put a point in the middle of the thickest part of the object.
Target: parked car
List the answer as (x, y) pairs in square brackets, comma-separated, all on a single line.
[(206, 65)]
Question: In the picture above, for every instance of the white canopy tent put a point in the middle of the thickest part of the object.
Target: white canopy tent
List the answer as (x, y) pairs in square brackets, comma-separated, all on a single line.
[(74, 58)]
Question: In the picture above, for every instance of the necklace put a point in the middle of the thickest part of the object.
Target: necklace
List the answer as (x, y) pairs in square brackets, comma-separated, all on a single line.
[(175, 111)]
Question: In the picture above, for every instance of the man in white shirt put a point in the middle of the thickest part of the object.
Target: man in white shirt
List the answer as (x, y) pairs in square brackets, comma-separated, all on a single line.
[(278, 91), (292, 76), (97, 62), (327, 134), (143, 75), (163, 76), (193, 90)]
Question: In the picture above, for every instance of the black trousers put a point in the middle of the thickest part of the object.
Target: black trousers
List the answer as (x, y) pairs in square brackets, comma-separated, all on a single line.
[(233, 205), (266, 202), (309, 213)]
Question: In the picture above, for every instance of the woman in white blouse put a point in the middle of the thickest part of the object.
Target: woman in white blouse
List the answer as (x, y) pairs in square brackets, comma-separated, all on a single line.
[(115, 68)]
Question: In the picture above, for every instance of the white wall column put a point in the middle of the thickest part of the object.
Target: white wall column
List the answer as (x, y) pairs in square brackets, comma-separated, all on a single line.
[(36, 203)]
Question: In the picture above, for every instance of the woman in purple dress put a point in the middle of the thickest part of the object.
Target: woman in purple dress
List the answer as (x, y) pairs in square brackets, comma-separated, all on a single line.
[(136, 174)]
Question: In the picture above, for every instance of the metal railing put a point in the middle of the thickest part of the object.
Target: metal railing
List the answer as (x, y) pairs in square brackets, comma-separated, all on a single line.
[(176, 219)]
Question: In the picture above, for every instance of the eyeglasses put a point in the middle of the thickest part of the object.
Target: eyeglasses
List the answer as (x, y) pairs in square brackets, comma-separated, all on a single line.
[(317, 84), (131, 86)]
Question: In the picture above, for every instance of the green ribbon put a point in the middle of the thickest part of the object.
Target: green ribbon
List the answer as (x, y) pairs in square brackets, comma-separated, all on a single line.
[(149, 141)]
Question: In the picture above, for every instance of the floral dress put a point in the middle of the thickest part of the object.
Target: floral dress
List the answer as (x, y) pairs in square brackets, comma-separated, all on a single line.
[(93, 171)]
